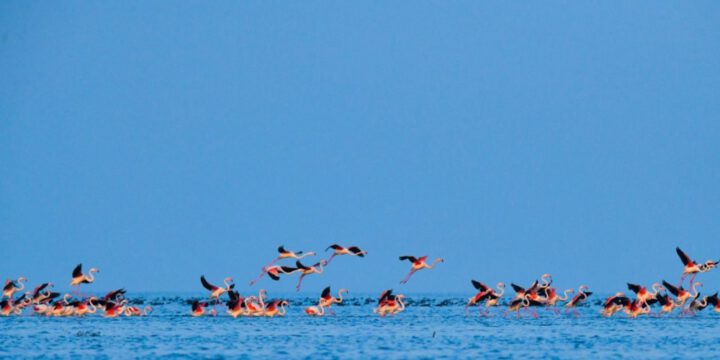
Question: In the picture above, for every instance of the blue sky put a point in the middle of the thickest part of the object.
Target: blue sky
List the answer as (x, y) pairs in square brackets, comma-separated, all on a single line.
[(160, 141)]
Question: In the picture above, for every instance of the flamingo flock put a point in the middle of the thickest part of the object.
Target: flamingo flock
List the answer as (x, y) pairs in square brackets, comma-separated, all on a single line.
[(42, 301), (666, 296), (541, 294)]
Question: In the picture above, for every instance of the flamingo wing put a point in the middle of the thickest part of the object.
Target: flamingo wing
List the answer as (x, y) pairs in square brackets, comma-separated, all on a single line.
[(281, 249), (301, 266), (356, 250), (334, 247), (671, 288), (77, 271), (683, 256), (206, 284), (407, 257), (478, 285), (634, 287), (326, 293), (517, 288)]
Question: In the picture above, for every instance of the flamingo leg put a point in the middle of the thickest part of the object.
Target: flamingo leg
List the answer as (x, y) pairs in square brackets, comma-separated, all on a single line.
[(692, 280), (264, 271), (682, 280), (297, 288), (405, 280)]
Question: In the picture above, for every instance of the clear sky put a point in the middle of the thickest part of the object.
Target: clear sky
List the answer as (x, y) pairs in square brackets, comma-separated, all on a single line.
[(163, 140)]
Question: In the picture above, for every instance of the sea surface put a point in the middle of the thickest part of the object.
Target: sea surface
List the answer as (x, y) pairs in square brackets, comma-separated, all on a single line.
[(433, 326)]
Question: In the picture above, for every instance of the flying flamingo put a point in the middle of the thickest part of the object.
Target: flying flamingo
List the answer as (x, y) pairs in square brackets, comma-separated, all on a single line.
[(288, 254), (692, 267), (113, 310), (41, 291), (579, 299), (667, 305), (327, 300), (274, 272), (614, 304), (642, 292), (390, 303), (680, 293), (485, 293), (276, 308), (11, 287), (637, 308), (316, 268), (418, 264), (79, 278), (236, 304), (552, 297), (339, 250)]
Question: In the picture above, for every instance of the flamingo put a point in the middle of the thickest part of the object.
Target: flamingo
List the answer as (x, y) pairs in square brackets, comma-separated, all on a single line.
[(681, 295), (316, 268), (274, 272), (6, 307), (642, 292), (579, 299), (84, 307), (713, 300), (79, 278), (389, 303), (255, 304), (667, 305), (697, 305), (339, 250), (418, 264), (692, 267), (135, 311), (614, 304), (315, 311), (198, 308), (485, 293), (637, 308), (288, 254), (276, 308), (552, 297), (517, 304), (236, 304), (113, 310), (327, 300), (11, 287), (217, 291), (115, 295), (40, 292)]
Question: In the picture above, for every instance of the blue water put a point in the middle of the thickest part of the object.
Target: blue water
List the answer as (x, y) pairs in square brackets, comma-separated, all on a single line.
[(433, 326)]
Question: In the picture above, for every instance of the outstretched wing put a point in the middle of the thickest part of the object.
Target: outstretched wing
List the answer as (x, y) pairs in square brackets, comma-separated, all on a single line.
[(671, 288), (301, 266), (206, 284), (334, 247), (634, 287), (281, 249), (478, 285), (407, 257), (356, 250), (517, 288), (683, 256), (77, 271), (326, 293)]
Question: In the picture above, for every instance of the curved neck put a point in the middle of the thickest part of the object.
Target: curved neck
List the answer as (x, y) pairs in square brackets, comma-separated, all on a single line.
[(91, 275), (500, 291), (22, 284), (282, 309), (434, 263), (340, 298), (567, 295)]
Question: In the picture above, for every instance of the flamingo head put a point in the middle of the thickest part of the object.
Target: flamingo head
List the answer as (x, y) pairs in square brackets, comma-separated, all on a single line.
[(583, 288), (711, 264), (310, 253), (22, 278), (228, 279), (698, 284), (619, 294), (323, 262), (500, 285), (343, 291), (95, 270)]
